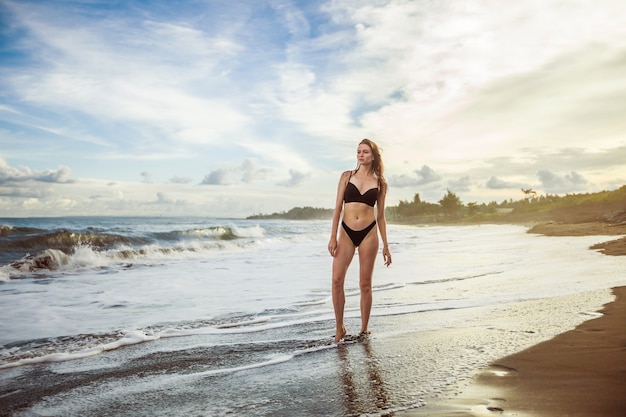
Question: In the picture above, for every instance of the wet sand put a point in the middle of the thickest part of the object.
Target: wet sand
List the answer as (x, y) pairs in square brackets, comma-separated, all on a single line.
[(578, 373), (406, 363)]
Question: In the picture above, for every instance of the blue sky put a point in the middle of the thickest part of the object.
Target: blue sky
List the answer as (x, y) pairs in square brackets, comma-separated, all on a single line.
[(230, 108)]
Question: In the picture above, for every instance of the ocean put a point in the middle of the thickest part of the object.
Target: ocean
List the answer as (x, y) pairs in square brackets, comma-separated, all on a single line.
[(205, 316)]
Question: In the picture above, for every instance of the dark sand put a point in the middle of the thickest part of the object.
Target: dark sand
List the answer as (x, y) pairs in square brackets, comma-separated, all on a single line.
[(578, 373)]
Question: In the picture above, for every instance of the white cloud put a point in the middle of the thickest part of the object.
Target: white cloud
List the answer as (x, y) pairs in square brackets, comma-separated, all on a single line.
[(180, 180), (216, 177), (25, 192), (460, 184), (496, 183), (10, 174), (129, 72), (250, 171), (296, 178), (425, 175), (147, 177), (554, 183), (246, 172)]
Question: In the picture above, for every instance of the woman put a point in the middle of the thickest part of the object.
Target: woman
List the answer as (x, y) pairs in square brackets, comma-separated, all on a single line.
[(357, 193)]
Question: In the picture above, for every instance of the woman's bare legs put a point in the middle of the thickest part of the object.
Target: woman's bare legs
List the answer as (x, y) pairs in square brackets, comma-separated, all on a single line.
[(367, 257), (341, 261)]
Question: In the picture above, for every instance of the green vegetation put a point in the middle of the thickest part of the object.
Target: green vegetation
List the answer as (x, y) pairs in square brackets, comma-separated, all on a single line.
[(573, 208), (607, 206), (297, 213)]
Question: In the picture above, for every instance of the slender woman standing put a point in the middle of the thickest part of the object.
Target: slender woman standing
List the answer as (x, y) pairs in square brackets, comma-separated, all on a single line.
[(357, 194)]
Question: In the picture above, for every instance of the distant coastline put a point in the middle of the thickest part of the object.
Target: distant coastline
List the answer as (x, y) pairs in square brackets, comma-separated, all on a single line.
[(297, 213), (601, 213), (605, 206)]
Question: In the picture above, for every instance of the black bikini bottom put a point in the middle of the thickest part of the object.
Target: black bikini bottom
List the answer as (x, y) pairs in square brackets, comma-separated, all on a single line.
[(357, 236)]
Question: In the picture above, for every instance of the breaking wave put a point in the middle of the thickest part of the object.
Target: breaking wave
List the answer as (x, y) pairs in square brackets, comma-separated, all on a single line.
[(31, 252)]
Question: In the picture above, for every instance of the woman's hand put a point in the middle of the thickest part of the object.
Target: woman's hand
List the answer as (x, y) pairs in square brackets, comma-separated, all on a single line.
[(387, 256), (332, 247)]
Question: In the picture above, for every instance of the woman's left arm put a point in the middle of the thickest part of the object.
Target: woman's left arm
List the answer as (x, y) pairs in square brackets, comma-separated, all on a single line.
[(382, 221)]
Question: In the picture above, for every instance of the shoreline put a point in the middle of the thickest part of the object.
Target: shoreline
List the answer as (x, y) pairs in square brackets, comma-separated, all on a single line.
[(408, 367), (581, 372), (578, 373), (616, 247)]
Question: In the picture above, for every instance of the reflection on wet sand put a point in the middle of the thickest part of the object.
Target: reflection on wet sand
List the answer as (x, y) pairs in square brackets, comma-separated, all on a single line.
[(364, 389)]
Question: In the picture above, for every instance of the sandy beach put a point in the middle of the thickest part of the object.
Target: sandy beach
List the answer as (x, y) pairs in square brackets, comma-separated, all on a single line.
[(578, 373), (457, 330)]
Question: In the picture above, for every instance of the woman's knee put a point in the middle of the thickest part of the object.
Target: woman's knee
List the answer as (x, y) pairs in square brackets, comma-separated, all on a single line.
[(339, 275), (365, 282), (338, 281)]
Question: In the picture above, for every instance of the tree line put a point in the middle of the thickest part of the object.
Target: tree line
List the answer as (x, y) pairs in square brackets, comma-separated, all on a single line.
[(450, 208), (297, 213), (587, 206)]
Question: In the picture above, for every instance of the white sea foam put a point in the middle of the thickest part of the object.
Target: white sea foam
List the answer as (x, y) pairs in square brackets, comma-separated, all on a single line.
[(272, 361), (84, 256), (130, 338), (314, 302), (5, 273), (252, 231), (278, 277)]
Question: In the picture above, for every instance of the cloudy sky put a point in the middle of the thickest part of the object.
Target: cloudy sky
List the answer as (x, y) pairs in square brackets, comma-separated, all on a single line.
[(233, 107)]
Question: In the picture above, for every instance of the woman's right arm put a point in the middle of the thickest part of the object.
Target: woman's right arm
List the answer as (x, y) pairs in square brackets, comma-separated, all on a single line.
[(332, 243)]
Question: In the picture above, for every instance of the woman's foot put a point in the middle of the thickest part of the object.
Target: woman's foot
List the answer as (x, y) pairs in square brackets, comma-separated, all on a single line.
[(365, 334), (340, 333)]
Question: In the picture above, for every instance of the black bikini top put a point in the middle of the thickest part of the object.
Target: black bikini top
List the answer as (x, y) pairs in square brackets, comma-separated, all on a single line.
[(353, 195)]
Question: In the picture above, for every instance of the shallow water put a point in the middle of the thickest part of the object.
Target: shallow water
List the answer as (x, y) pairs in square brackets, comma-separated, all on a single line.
[(215, 317)]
